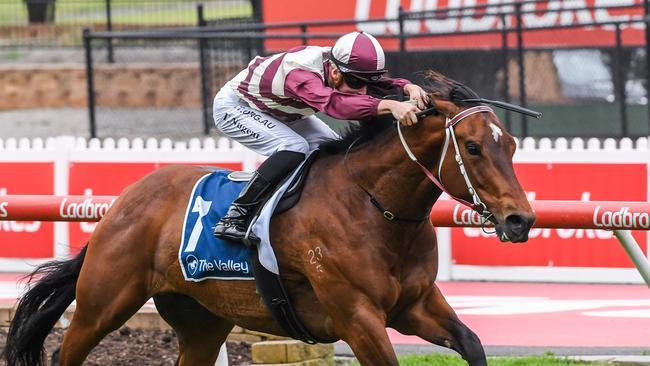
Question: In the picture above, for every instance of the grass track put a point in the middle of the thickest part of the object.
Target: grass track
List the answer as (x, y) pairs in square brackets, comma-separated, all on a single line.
[(453, 360), (135, 12)]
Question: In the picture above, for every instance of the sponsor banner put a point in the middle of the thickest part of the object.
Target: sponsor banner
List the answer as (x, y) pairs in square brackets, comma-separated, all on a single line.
[(25, 239), (108, 178), (89, 209), (569, 12), (27, 207), (566, 246), (566, 214)]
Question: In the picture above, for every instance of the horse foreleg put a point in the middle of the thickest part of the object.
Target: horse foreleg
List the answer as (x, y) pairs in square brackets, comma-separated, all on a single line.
[(363, 327), (432, 319), (200, 332)]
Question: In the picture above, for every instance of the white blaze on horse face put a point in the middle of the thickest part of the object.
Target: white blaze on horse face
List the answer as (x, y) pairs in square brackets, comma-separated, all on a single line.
[(496, 132)]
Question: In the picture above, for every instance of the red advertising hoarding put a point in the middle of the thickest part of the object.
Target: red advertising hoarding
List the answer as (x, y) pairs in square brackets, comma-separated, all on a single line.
[(535, 15), (561, 247), (26, 239), (99, 178)]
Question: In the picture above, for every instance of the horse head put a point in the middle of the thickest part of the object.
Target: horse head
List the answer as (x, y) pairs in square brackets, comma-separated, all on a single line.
[(475, 164)]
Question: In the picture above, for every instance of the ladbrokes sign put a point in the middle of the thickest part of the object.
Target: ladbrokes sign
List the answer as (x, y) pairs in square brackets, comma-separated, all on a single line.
[(543, 181), (606, 215), (106, 178), (25, 239), (621, 219), (87, 209), (565, 246), (546, 14)]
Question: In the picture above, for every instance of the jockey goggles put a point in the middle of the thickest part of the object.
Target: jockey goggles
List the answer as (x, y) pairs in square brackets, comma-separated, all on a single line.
[(357, 79)]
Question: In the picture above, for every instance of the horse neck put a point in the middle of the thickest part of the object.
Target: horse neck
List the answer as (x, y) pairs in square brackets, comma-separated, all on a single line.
[(384, 169)]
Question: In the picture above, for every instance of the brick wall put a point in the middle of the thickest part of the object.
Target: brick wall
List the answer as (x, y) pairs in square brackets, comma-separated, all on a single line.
[(134, 85)]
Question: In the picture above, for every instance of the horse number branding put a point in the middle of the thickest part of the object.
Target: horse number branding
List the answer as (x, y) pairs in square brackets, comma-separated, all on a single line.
[(315, 256)]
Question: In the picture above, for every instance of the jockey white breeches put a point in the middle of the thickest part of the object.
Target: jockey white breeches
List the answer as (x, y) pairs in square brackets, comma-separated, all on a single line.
[(263, 133)]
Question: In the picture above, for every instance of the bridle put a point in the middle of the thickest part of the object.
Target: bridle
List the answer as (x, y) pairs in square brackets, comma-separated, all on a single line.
[(478, 205), (451, 136)]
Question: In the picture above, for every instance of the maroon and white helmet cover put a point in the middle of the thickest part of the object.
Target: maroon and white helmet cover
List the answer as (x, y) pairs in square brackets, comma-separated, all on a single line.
[(360, 54)]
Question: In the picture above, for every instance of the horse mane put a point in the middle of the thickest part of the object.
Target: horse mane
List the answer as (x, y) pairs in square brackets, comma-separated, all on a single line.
[(444, 88), (435, 83)]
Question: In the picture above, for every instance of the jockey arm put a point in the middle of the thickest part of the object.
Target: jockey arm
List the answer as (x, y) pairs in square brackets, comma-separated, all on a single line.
[(309, 87), (413, 91)]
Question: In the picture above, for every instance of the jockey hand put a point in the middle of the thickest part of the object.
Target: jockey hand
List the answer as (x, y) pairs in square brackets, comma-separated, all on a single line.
[(418, 94), (404, 112)]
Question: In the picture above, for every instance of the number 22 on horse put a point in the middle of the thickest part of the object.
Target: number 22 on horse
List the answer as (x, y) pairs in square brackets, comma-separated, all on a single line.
[(349, 271)]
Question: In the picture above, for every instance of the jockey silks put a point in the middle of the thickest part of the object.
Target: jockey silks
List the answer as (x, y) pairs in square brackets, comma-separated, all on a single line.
[(293, 85)]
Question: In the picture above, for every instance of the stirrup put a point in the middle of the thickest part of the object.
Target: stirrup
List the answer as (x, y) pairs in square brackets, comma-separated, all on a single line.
[(250, 238)]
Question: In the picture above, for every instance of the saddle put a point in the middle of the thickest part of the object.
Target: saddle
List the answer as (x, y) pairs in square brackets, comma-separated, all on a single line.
[(292, 195)]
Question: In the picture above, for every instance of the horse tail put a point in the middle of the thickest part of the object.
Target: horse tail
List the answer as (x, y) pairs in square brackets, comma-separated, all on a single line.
[(40, 308)]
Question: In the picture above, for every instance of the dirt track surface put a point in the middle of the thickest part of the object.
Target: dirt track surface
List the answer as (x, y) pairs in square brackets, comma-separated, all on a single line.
[(128, 346)]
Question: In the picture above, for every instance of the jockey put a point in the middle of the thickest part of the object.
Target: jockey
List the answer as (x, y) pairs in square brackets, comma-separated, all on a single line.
[(269, 107)]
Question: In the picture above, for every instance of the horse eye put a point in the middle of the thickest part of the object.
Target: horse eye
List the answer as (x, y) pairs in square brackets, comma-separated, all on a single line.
[(473, 148)]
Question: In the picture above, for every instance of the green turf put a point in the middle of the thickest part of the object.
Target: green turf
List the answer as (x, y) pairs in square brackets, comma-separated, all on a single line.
[(133, 12), (586, 119), (453, 360)]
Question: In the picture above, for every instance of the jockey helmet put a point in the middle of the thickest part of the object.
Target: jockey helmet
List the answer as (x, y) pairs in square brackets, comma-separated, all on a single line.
[(359, 56)]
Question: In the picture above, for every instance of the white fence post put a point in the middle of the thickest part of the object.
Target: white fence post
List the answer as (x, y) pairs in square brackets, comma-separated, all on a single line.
[(443, 236)]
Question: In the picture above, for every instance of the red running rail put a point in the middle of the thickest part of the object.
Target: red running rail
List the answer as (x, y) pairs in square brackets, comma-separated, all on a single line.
[(54, 208), (558, 214), (550, 214)]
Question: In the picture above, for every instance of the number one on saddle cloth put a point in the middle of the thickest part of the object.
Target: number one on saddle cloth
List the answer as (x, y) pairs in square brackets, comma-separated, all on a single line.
[(202, 207)]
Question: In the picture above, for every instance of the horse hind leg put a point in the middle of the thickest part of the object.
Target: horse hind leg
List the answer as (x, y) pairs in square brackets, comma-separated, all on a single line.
[(103, 305), (432, 319), (200, 333)]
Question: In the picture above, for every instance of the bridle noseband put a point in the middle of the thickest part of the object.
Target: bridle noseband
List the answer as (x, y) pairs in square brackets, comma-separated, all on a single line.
[(477, 204)]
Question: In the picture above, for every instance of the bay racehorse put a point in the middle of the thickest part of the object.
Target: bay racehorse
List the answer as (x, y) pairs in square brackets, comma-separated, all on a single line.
[(349, 271)]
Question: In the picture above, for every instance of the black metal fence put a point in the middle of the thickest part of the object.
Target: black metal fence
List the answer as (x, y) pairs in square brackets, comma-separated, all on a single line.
[(584, 91), (59, 23)]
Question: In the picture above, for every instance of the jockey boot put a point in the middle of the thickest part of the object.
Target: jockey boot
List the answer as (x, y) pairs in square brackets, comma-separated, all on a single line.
[(234, 224)]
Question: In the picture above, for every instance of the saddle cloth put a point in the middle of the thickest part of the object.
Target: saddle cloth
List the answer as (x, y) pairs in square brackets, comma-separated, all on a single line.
[(201, 255)]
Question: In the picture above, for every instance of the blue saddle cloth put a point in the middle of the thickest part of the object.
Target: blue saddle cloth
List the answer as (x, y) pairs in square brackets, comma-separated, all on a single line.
[(202, 256)]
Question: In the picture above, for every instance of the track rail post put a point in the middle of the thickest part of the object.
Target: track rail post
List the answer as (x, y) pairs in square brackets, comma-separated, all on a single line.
[(635, 253)]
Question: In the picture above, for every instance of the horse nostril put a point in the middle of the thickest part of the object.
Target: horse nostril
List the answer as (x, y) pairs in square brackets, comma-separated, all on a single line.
[(518, 224), (531, 221)]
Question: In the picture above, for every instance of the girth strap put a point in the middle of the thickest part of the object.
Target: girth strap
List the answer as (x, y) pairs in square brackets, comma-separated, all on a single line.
[(274, 295)]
